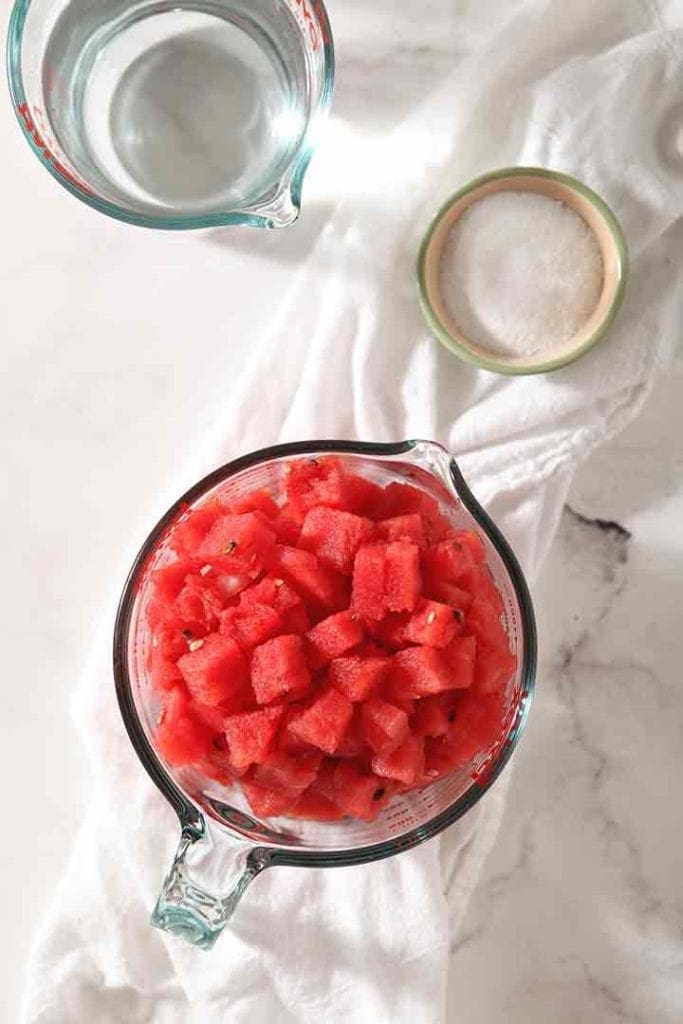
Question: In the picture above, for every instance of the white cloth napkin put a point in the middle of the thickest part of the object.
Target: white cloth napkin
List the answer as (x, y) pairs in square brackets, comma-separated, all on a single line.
[(592, 89)]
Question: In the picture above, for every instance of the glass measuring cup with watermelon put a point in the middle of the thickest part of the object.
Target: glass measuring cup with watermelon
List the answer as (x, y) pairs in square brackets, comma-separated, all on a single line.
[(324, 654)]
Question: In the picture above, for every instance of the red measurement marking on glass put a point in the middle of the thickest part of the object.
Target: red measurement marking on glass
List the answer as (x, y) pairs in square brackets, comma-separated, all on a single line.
[(38, 138), (303, 13)]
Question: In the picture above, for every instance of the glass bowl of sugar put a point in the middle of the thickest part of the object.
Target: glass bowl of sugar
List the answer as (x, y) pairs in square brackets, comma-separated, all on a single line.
[(522, 271)]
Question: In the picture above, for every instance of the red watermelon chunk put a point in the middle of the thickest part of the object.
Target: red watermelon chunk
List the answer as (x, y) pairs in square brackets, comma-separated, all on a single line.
[(321, 587), (315, 807), (367, 595), (325, 721), (267, 803), (448, 593), (333, 636), (316, 481), (405, 764), (251, 625), (479, 582), (358, 793), (250, 735), (472, 543), (383, 725), (447, 560), (402, 582), (407, 527), (164, 673), (460, 657), (215, 671), (255, 501), (432, 624), (334, 536), (200, 600), (287, 772), (403, 499), (419, 672), (358, 676), (168, 580), (484, 622), (362, 495), (493, 669), (239, 544), (279, 670), (180, 737), (189, 531), (434, 716)]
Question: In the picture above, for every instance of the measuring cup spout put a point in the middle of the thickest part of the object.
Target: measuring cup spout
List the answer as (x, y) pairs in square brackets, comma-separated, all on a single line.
[(204, 885), (280, 208)]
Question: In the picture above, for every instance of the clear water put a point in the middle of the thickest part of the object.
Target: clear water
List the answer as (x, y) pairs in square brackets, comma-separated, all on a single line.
[(188, 109)]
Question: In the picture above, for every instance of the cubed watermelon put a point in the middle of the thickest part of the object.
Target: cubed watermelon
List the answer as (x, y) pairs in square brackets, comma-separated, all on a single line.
[(288, 772), (432, 624), (479, 582), (383, 725), (325, 721), (168, 580), (316, 481), (433, 716), (200, 600), (460, 656), (192, 526), (315, 807), (267, 803), (407, 527), (180, 737), (448, 593), (255, 501), (323, 589), (402, 580), (471, 542), (239, 543), (250, 735), (358, 793), (493, 668), (216, 672), (358, 676), (367, 594), (334, 536), (251, 625), (164, 673), (333, 636), (404, 764), (447, 560), (403, 499), (362, 495), (279, 669), (484, 622), (419, 672)]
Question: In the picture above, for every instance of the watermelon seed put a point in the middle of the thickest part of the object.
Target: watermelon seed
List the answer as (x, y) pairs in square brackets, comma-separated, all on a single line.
[(205, 570), (188, 635), (313, 462), (230, 548), (451, 716), (379, 793), (279, 583), (430, 618), (457, 545), (194, 645), (459, 615), (432, 773)]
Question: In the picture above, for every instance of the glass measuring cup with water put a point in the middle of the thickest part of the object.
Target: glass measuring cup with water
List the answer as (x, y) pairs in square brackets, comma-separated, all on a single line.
[(223, 845), (174, 113)]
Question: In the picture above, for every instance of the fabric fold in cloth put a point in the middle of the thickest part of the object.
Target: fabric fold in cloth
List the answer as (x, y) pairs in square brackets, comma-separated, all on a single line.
[(348, 355)]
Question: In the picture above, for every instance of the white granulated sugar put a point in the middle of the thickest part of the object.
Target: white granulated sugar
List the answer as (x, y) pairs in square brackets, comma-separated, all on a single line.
[(520, 273)]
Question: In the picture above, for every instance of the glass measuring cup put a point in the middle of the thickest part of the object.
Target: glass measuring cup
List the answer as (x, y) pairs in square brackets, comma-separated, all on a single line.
[(174, 113), (223, 845)]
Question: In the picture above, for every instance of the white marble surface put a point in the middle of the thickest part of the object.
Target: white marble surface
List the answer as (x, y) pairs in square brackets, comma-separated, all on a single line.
[(578, 918), (113, 341)]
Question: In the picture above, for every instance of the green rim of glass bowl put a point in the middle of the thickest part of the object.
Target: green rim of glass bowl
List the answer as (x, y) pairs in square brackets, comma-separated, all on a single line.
[(457, 343)]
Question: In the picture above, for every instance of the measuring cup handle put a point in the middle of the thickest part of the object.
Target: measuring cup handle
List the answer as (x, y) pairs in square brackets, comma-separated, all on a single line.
[(188, 909)]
